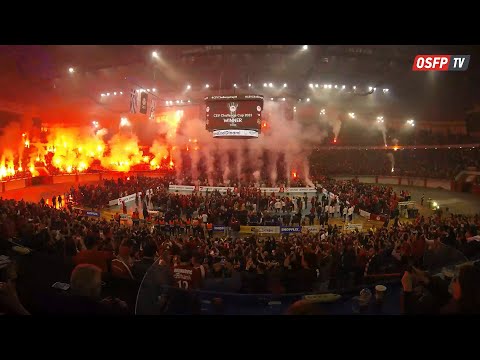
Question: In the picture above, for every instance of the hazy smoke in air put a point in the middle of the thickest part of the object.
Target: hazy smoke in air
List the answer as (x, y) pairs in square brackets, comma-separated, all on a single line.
[(334, 121), (210, 157), (273, 167), (180, 141), (306, 172), (256, 176), (381, 126), (392, 160)]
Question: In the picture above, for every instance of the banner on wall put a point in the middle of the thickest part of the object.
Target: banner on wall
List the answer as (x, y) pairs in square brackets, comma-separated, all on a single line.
[(260, 229), (270, 189), (300, 190), (290, 229), (221, 189), (353, 227), (312, 229), (364, 214), (181, 188), (376, 217)]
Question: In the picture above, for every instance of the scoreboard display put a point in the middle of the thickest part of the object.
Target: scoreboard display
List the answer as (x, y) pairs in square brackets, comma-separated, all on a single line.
[(234, 116)]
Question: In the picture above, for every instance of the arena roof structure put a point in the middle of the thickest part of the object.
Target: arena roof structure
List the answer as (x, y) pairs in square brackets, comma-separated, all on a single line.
[(63, 81)]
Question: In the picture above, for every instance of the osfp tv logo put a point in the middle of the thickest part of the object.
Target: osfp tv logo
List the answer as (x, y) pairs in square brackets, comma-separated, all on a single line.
[(441, 62)]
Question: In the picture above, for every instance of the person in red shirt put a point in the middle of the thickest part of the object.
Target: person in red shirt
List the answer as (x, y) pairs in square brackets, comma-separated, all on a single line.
[(185, 279), (91, 255), (185, 275)]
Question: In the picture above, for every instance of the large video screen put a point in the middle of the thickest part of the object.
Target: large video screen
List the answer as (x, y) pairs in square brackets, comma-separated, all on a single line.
[(234, 116)]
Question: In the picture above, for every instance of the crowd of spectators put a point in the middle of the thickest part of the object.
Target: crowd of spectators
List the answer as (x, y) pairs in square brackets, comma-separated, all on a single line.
[(98, 195), (433, 163), (101, 250), (349, 136)]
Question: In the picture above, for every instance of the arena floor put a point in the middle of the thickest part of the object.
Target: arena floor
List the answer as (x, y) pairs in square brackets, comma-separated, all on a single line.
[(458, 203)]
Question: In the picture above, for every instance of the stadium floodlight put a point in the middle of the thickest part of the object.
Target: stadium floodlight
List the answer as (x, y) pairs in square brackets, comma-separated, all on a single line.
[(108, 94), (283, 99), (385, 91), (148, 90), (308, 99), (411, 122), (305, 47), (343, 87), (265, 84), (178, 102), (166, 103), (207, 86), (155, 54), (234, 85), (285, 85), (316, 85), (311, 86), (322, 112), (115, 93), (121, 93), (188, 101), (354, 87), (329, 86), (379, 119), (249, 85), (370, 88), (71, 70), (152, 90), (102, 94), (374, 89), (351, 115), (336, 86), (189, 87), (270, 85), (325, 86)]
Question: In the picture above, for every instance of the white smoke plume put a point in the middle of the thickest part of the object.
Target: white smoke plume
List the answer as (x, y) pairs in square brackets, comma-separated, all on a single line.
[(334, 121), (381, 126), (244, 159), (392, 160)]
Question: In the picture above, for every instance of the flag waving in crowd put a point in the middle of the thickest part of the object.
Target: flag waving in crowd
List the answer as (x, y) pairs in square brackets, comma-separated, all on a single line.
[(143, 102), (152, 110), (133, 101)]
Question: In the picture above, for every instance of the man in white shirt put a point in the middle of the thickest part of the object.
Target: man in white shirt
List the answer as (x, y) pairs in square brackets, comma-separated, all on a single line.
[(331, 210), (350, 213), (278, 206)]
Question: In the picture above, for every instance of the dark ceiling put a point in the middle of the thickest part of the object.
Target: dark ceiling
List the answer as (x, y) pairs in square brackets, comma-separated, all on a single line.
[(38, 74)]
